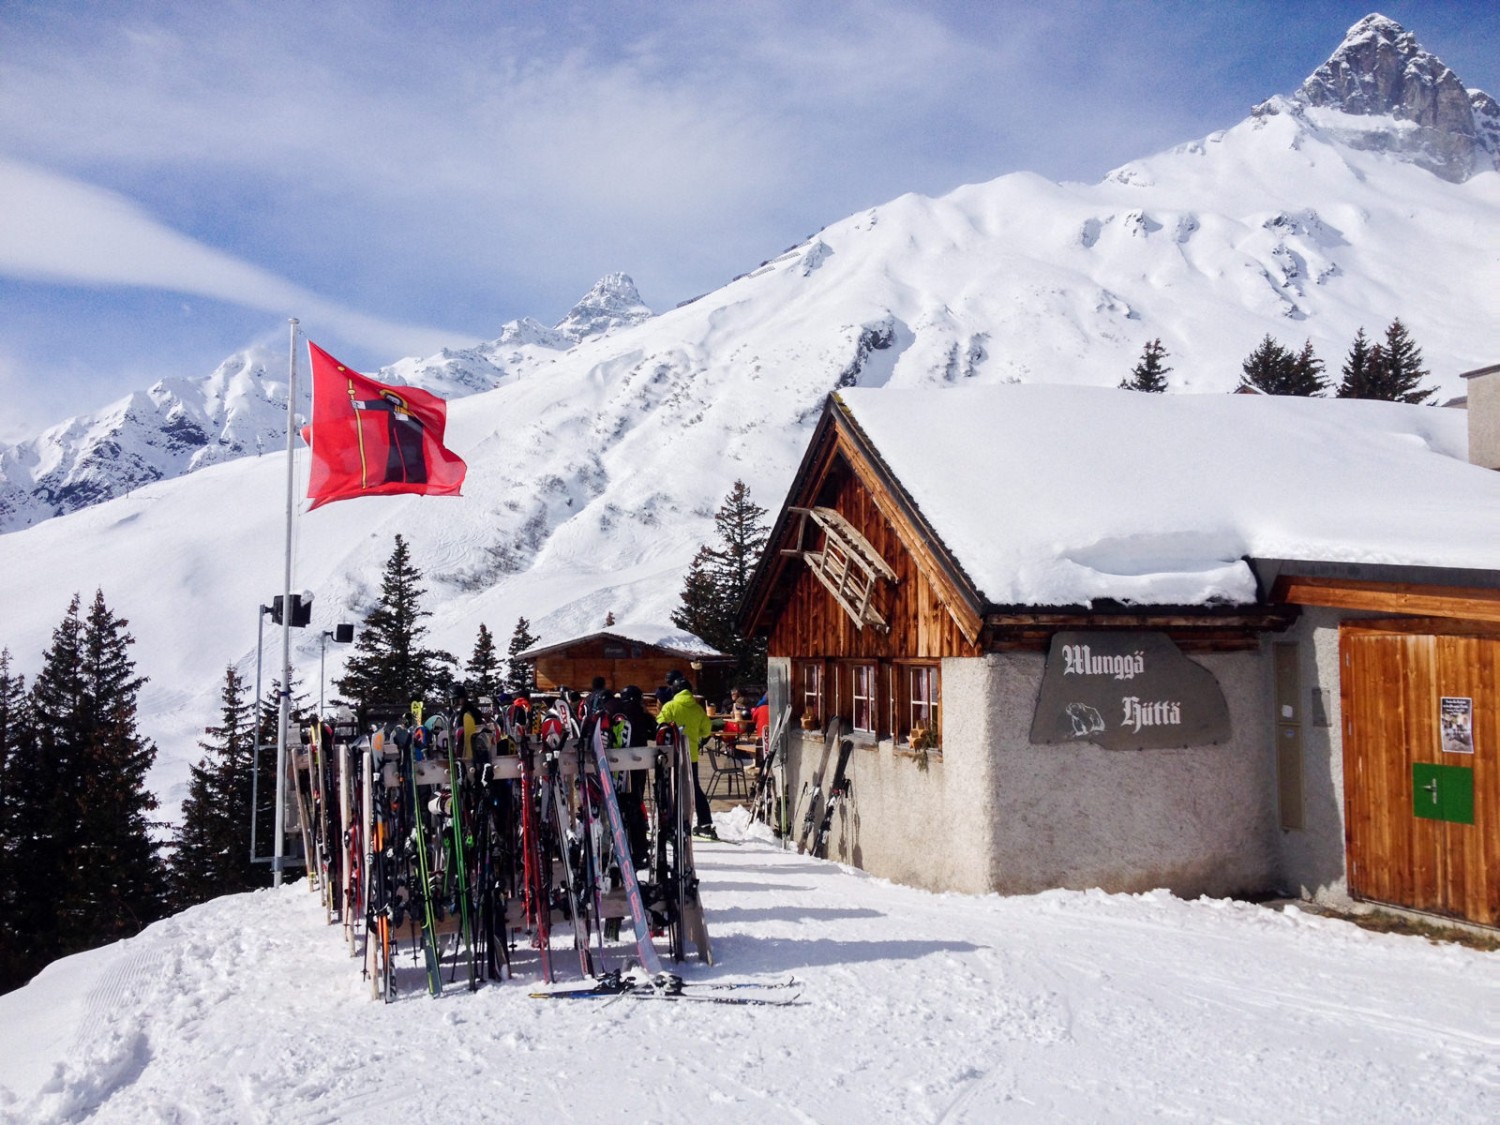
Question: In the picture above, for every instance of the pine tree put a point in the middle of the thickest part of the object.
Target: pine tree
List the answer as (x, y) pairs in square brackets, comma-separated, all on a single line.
[(483, 669), (718, 578), (741, 524), (1307, 373), (390, 664), (1149, 374), (1274, 370), (84, 869), (609, 619), (521, 674), (12, 711), (1401, 370), (117, 828), (704, 612), (12, 714), (40, 814), (1359, 370), (213, 842)]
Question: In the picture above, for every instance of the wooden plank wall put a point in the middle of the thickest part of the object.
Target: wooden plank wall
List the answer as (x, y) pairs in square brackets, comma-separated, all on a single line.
[(576, 667), (1391, 681), (812, 625)]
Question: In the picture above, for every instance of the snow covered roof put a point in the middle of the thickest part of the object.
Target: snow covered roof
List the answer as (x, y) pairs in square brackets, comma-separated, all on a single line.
[(1048, 495), (668, 638)]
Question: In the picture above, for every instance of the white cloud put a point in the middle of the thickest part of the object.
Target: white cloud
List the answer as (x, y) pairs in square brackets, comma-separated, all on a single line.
[(17, 392), (57, 229)]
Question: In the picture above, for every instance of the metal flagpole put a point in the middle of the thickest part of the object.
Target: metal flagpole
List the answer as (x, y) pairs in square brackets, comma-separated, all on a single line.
[(278, 861)]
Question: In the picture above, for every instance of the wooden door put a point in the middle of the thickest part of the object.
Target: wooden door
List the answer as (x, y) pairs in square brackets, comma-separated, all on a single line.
[(1421, 709)]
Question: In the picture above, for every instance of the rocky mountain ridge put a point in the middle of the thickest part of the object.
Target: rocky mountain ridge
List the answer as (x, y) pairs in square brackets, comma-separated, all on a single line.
[(1381, 71)]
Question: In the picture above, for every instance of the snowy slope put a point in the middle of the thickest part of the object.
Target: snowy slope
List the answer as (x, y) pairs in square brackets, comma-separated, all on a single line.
[(595, 466), (915, 1007)]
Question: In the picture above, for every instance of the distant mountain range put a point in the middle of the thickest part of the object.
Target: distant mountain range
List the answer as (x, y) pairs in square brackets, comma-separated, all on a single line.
[(180, 425), (599, 448)]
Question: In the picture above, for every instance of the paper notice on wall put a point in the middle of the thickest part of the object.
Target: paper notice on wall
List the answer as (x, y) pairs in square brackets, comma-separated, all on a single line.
[(1456, 720)]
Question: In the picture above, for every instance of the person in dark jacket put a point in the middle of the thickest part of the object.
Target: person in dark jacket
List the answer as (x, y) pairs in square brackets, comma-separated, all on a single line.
[(600, 697), (631, 707)]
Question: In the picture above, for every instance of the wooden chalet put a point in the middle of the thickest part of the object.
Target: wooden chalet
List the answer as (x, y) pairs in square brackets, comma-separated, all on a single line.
[(988, 732), (630, 653)]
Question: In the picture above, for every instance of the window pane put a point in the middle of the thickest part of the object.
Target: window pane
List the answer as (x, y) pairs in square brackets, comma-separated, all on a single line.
[(812, 690), (863, 697), (922, 697)]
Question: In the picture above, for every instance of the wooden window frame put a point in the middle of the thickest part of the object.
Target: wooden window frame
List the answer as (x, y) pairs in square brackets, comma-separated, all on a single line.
[(907, 708), (803, 669)]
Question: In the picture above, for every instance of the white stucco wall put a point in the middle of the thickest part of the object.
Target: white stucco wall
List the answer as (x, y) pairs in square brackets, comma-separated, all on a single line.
[(997, 813), (1311, 860), (1195, 821), (925, 828)]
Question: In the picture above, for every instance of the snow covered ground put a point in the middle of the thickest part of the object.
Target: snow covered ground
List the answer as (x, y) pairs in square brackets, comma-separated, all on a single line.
[(915, 1007)]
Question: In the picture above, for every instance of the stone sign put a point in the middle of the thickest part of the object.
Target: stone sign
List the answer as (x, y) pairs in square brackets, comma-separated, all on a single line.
[(1127, 691)]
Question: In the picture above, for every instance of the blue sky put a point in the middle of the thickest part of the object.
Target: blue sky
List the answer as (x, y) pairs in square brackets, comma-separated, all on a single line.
[(176, 179)]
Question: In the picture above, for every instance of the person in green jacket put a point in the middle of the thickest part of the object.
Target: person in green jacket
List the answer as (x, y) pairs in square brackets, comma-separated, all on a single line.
[(686, 712)]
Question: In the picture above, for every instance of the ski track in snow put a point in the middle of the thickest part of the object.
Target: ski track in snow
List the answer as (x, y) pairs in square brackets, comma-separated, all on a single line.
[(913, 1007)]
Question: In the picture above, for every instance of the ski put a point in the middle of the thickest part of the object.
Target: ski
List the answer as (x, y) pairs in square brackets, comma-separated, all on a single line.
[(650, 961), (460, 861), (838, 792), (668, 987), (536, 865), (805, 836), (430, 950), (692, 925), (763, 805)]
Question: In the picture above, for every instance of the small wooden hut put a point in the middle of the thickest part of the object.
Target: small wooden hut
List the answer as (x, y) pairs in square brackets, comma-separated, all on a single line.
[(632, 653)]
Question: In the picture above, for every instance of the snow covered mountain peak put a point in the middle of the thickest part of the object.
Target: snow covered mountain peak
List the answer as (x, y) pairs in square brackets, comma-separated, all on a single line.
[(613, 302), (1414, 106), (175, 426)]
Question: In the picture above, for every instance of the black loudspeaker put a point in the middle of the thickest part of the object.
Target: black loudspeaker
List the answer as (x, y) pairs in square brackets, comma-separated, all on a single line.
[(343, 633)]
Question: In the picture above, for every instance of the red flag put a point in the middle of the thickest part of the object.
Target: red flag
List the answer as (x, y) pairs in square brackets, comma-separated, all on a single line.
[(369, 439)]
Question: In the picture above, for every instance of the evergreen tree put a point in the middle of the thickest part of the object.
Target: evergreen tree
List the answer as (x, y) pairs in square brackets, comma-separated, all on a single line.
[(521, 674), (718, 577), (213, 843), (741, 524), (82, 864), (1388, 371), (704, 612), (483, 669), (1401, 370), (1274, 370), (1149, 374), (609, 619), (12, 711), (12, 715), (1307, 373), (117, 829), (390, 664), (1358, 373)]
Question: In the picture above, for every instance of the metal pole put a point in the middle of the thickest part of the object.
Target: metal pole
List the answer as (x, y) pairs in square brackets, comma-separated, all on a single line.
[(284, 710), (322, 655), (260, 630)]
